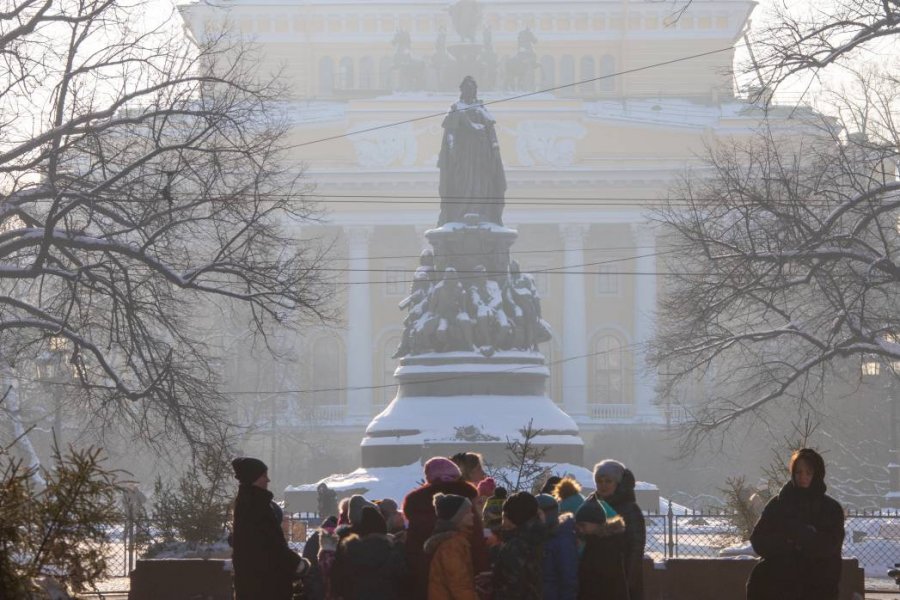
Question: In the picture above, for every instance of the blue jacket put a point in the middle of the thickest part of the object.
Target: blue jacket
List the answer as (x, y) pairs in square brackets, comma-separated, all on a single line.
[(560, 566)]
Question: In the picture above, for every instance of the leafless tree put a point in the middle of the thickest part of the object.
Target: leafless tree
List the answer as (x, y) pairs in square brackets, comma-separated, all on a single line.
[(785, 263), (811, 36), (143, 189)]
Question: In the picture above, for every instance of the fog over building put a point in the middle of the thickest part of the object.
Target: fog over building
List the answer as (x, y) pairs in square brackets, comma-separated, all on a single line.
[(369, 84)]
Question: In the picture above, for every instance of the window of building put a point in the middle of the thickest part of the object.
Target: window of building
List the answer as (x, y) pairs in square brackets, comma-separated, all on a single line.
[(366, 73), (588, 73), (609, 370), (608, 279), (607, 72), (345, 73), (548, 72), (326, 76), (396, 280), (567, 70), (326, 372), (384, 72)]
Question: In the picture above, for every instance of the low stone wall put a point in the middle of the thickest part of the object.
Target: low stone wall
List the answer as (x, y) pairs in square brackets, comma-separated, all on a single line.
[(181, 579), (676, 579), (723, 578)]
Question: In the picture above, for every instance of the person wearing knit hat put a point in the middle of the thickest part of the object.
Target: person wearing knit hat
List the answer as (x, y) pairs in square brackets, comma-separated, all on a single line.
[(559, 568), (264, 565), (517, 569), (601, 572), (248, 470), (486, 487), (368, 563), (568, 493), (396, 526), (615, 485), (354, 512), (451, 575), (441, 470), (550, 484), (799, 537), (442, 476)]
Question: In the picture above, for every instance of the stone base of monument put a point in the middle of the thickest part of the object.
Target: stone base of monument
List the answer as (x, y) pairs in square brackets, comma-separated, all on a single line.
[(453, 402)]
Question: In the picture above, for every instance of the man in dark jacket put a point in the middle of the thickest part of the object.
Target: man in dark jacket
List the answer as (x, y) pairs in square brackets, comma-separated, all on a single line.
[(264, 566), (517, 566), (799, 536), (615, 485)]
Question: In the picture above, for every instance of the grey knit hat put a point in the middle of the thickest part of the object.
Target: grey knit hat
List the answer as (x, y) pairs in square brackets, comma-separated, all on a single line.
[(611, 469), (357, 503)]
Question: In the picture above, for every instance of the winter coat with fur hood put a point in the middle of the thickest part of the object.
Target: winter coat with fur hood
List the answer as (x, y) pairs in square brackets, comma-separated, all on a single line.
[(799, 536), (601, 571), (450, 575), (624, 502), (264, 566), (418, 507), (560, 564)]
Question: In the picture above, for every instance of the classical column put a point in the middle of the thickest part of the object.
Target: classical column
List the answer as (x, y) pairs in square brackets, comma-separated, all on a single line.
[(644, 319), (574, 334), (359, 325)]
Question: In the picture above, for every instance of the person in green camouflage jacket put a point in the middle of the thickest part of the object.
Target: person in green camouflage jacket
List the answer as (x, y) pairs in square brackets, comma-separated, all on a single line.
[(517, 560)]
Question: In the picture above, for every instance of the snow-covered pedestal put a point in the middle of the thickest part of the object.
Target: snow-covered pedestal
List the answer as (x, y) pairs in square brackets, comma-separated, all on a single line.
[(463, 401)]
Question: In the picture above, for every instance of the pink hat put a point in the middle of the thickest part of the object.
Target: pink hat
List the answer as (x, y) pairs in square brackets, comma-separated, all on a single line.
[(440, 469), (486, 486)]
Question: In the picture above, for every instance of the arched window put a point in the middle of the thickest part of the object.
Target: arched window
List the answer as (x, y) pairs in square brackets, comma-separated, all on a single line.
[(548, 72), (566, 70), (607, 67), (609, 370), (389, 365), (326, 76), (345, 74), (366, 73), (326, 372), (587, 73), (384, 73)]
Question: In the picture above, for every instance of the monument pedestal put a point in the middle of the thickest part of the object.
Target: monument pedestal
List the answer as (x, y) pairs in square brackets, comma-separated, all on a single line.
[(449, 402)]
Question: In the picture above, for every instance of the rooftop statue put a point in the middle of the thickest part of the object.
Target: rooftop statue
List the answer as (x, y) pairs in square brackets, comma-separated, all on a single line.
[(471, 170), (466, 17)]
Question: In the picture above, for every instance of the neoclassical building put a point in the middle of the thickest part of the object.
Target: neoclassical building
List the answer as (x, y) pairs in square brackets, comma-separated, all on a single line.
[(584, 164)]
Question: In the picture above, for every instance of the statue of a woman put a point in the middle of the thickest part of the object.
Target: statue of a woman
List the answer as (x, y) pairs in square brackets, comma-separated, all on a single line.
[(472, 178)]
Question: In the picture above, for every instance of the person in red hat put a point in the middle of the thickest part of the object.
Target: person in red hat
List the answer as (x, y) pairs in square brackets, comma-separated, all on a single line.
[(264, 565), (442, 476)]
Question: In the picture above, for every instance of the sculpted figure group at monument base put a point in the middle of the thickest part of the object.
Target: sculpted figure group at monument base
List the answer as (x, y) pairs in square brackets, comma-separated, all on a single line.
[(473, 312)]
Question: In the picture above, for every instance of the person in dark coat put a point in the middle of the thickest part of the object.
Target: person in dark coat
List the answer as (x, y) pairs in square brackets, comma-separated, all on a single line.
[(560, 562), (799, 537), (314, 584), (264, 566), (517, 564), (615, 485), (601, 535), (372, 567), (442, 476)]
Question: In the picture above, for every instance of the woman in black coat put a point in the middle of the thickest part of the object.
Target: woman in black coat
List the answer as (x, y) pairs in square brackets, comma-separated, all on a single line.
[(615, 485), (799, 537), (264, 566)]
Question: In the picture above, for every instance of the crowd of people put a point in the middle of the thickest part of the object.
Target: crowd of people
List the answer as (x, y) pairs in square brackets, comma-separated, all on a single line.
[(459, 536)]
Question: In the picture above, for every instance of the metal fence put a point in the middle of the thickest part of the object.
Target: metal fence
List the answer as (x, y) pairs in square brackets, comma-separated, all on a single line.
[(872, 537)]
